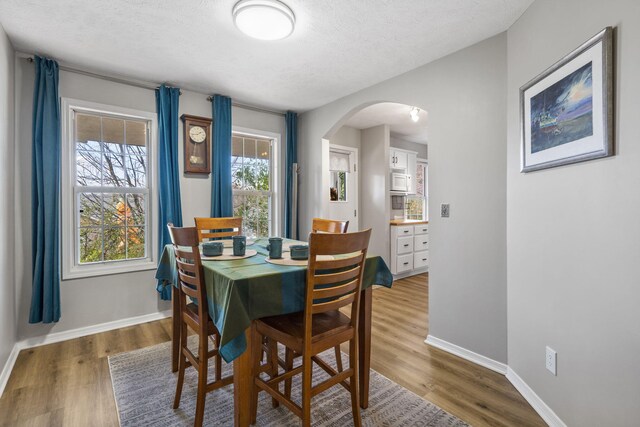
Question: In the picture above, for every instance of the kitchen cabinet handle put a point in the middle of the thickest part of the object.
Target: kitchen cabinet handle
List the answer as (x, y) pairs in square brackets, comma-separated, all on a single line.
[(424, 259), (406, 263), (406, 231), (406, 246)]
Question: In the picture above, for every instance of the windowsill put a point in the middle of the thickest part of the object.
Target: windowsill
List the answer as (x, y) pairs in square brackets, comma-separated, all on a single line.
[(338, 201), (117, 267)]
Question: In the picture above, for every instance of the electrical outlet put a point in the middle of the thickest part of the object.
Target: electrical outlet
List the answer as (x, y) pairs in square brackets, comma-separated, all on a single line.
[(444, 210), (551, 359)]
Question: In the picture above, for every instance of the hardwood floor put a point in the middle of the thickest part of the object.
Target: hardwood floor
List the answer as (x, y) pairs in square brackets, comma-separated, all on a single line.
[(68, 383)]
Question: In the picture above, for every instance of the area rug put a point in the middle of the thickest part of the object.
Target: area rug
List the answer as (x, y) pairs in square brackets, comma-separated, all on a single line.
[(144, 388)]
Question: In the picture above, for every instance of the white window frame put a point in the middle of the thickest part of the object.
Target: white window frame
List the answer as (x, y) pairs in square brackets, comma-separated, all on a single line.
[(71, 268), (274, 173)]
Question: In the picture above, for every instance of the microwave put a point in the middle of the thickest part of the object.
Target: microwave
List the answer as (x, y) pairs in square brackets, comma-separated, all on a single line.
[(399, 182)]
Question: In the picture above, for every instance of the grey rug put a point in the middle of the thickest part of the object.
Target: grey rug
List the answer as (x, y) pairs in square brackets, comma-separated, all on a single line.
[(144, 388)]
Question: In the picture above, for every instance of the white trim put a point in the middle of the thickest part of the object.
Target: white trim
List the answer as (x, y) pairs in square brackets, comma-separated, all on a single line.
[(354, 155), (469, 355), (71, 270), (71, 334), (534, 400), (93, 329), (8, 367), (411, 273)]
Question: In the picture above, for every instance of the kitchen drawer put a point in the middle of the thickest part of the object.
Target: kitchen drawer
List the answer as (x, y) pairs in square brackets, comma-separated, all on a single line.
[(420, 229), (420, 259), (405, 245), (404, 263), (404, 230), (421, 242)]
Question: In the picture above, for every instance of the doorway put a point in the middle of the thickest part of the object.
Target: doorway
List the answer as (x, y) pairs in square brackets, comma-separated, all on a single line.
[(343, 194)]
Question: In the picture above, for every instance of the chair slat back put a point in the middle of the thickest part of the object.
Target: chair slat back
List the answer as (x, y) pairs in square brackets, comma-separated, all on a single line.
[(217, 228), (189, 264), (321, 225), (335, 283)]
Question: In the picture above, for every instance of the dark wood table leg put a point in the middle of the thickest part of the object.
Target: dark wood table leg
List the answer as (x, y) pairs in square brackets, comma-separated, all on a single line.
[(242, 384), (175, 330), (364, 344)]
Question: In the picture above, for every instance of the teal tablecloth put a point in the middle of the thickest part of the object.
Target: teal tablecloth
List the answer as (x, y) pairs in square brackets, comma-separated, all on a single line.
[(239, 291)]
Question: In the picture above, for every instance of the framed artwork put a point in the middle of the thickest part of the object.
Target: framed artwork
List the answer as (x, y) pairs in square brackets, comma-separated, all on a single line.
[(197, 144), (566, 113)]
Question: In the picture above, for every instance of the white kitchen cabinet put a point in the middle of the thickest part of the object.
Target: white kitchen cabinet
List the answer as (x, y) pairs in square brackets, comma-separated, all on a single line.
[(409, 249), (398, 159), (405, 162)]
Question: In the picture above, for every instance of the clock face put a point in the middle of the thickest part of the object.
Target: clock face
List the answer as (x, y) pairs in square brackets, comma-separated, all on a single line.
[(197, 134)]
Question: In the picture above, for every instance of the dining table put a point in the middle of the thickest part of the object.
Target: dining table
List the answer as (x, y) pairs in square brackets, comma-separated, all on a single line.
[(240, 291)]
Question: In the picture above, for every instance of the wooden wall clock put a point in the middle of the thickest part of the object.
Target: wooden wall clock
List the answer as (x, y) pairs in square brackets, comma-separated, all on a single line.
[(197, 144)]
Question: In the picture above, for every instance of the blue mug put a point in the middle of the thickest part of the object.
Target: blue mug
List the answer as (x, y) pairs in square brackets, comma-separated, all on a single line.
[(212, 248), (239, 245), (275, 247)]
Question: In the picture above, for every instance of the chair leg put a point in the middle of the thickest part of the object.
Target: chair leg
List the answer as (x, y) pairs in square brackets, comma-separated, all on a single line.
[(273, 362), (256, 360), (307, 368), (338, 358), (354, 382), (288, 365), (203, 368), (218, 359), (182, 364)]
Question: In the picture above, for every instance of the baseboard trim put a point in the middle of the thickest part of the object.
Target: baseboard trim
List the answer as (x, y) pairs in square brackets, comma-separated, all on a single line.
[(410, 273), (94, 329), (71, 334), (534, 400), (469, 355), (8, 367)]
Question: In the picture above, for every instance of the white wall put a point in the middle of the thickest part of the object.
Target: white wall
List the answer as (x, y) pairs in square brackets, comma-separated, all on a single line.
[(574, 231), (374, 194), (398, 142), (7, 286), (97, 300), (465, 95)]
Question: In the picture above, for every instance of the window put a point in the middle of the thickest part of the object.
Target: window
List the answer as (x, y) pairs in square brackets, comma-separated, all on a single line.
[(339, 166), (338, 190), (414, 207), (107, 203), (252, 171)]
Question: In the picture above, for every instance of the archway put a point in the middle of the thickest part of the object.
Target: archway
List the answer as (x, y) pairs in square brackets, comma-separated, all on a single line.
[(374, 130)]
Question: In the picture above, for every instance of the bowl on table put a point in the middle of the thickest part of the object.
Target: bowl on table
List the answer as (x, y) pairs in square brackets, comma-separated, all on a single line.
[(212, 248), (299, 252)]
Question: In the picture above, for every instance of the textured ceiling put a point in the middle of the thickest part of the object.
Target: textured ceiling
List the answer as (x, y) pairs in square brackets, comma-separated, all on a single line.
[(337, 48), (396, 116)]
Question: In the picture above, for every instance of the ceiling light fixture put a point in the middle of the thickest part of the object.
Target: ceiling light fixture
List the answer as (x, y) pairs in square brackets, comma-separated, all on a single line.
[(414, 113), (264, 19)]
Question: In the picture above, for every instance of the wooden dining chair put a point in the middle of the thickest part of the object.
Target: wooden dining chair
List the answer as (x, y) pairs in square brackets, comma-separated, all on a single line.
[(218, 228), (331, 284), (321, 225), (318, 225), (196, 317)]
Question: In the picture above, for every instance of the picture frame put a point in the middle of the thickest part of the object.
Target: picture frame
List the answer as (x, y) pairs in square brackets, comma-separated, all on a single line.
[(197, 144), (566, 112)]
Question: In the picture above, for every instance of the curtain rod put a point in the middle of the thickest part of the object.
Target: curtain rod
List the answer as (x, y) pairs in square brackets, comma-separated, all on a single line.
[(252, 108), (145, 85)]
